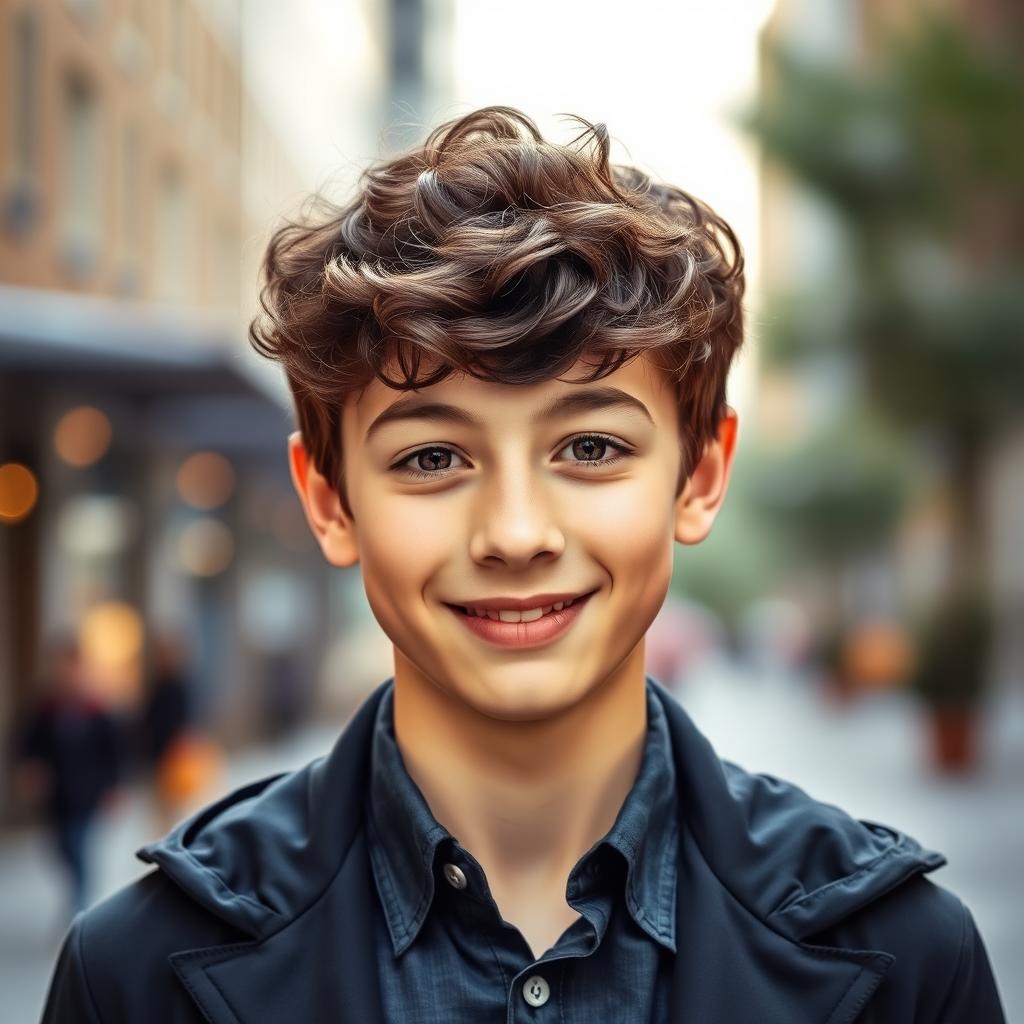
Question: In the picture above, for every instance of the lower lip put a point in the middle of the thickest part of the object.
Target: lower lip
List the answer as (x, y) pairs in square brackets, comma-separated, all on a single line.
[(524, 634)]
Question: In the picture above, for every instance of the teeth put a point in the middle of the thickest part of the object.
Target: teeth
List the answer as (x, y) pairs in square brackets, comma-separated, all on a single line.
[(525, 616), (529, 615)]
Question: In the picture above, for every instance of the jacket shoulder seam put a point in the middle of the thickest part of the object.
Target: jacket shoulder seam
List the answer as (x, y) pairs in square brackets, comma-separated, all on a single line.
[(771, 921), (822, 890), (94, 1010), (964, 929), (287, 922), (227, 890)]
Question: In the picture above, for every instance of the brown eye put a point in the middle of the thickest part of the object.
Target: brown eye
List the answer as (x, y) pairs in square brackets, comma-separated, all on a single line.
[(432, 461), (589, 449), (434, 458)]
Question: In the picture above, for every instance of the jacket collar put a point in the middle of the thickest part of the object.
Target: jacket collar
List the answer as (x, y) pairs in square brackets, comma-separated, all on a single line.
[(761, 868), (404, 837)]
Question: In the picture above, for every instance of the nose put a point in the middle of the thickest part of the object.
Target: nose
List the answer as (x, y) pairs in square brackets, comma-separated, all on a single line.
[(514, 522)]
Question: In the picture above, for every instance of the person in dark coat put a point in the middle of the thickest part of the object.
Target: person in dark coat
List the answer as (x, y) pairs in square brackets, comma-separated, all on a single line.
[(520, 824), (167, 712), (166, 722), (70, 754)]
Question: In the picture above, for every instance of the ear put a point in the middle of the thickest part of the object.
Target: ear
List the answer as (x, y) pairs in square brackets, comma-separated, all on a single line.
[(705, 489), (334, 531)]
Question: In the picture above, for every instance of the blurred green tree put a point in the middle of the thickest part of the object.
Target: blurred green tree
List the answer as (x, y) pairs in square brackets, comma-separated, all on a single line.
[(921, 153)]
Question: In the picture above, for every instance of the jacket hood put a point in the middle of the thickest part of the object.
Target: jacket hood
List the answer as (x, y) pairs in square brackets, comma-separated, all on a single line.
[(263, 854)]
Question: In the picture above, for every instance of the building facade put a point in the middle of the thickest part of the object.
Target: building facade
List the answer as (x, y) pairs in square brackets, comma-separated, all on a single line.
[(144, 491)]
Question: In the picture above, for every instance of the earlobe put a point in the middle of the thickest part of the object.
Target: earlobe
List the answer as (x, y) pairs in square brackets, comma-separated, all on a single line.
[(705, 490), (333, 530)]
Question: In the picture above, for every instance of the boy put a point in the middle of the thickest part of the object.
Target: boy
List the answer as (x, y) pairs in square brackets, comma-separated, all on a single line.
[(508, 360)]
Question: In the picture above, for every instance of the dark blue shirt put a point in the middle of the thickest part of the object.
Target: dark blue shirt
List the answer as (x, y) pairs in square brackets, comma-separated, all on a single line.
[(446, 955)]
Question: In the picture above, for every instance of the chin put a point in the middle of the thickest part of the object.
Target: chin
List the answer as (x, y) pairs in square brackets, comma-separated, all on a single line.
[(517, 694)]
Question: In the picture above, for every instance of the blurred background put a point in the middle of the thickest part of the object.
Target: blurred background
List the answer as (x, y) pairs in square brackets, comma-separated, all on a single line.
[(853, 623)]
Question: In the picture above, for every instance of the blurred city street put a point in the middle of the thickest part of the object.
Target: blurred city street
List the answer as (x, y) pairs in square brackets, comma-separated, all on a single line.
[(218, 220), (866, 757), (31, 892)]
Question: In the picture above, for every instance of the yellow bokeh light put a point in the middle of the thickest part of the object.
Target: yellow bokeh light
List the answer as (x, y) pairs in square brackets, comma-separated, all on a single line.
[(205, 480), (82, 436), (111, 635), (18, 492)]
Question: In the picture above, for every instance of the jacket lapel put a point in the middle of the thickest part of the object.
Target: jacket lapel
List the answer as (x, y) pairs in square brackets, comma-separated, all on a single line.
[(732, 964), (732, 967), (321, 966)]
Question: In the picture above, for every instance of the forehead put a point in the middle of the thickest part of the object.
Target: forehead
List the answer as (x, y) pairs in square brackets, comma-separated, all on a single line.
[(490, 402)]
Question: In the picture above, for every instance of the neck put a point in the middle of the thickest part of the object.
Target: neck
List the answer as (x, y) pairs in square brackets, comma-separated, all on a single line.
[(526, 798)]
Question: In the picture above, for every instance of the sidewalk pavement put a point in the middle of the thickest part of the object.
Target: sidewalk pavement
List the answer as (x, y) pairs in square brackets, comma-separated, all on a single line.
[(33, 920), (867, 757)]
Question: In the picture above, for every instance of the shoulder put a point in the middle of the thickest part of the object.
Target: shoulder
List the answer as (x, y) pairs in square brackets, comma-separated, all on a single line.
[(150, 914), (941, 969), (918, 920), (113, 964)]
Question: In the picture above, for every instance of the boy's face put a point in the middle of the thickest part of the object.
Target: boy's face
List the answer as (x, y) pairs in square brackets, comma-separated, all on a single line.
[(516, 503)]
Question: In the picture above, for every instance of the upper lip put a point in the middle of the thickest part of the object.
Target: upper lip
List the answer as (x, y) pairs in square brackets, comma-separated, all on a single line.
[(520, 604)]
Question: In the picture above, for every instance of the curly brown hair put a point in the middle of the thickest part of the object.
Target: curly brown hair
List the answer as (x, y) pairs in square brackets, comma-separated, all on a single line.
[(492, 251)]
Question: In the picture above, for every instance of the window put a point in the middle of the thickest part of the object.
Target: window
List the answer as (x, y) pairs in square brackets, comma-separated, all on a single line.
[(130, 210), (176, 41), (174, 255), (85, 10), (22, 201), (80, 178)]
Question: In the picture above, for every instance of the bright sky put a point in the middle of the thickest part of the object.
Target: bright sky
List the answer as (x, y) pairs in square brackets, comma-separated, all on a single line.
[(661, 76)]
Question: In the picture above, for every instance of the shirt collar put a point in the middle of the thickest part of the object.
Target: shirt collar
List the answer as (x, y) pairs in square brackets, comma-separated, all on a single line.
[(404, 835)]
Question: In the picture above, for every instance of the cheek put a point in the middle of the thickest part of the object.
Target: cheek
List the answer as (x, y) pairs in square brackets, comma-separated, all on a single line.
[(402, 545), (630, 522), (630, 530)]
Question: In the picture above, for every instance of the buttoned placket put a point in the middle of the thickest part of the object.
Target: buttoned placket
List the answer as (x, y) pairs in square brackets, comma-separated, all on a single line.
[(534, 989)]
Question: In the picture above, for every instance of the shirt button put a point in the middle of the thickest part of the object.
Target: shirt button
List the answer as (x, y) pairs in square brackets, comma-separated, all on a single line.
[(455, 877), (536, 990)]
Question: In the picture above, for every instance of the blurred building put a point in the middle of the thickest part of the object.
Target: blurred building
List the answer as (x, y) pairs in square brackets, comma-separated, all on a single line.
[(123, 141), (146, 151)]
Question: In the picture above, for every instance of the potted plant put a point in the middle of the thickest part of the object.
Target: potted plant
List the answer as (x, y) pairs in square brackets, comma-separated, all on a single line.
[(951, 674)]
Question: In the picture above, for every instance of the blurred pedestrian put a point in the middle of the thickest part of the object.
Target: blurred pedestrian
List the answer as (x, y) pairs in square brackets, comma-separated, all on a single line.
[(166, 718), (184, 763), (168, 707), (68, 759)]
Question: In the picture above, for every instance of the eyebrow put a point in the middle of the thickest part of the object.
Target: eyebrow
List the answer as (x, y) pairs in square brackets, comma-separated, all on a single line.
[(586, 400)]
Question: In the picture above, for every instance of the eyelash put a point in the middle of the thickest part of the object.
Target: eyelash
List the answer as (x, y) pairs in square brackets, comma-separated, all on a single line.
[(421, 474)]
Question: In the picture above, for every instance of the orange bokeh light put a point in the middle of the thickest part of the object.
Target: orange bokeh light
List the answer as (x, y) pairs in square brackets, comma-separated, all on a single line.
[(82, 436), (205, 480), (18, 492)]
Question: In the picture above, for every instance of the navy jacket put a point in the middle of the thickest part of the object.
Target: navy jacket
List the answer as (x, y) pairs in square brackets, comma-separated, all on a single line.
[(788, 909)]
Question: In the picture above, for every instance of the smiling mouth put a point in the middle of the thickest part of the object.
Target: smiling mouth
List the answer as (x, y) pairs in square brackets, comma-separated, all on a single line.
[(516, 616)]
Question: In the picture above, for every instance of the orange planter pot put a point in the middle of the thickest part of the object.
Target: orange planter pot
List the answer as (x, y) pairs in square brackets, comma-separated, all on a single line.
[(954, 738)]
